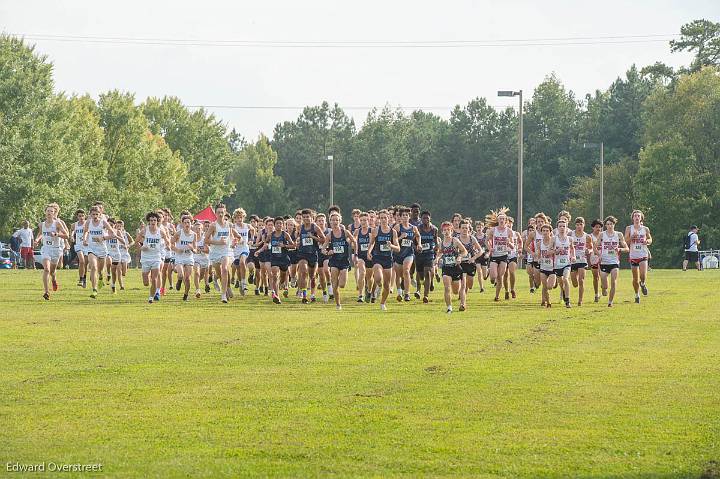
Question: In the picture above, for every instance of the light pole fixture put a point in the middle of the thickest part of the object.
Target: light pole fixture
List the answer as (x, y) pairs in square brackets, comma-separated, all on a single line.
[(520, 156), (332, 179)]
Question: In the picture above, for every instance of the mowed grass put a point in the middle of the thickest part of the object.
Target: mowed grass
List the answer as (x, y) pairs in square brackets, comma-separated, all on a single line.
[(253, 389)]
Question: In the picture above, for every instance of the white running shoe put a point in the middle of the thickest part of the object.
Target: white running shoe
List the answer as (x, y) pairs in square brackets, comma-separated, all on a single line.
[(338, 307), (383, 307)]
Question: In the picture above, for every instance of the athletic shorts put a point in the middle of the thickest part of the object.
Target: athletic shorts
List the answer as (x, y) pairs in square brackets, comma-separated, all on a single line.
[(499, 259), (311, 258), (125, 257), (468, 268), (547, 273), (79, 248), (283, 265), (607, 268), (512, 260), (52, 254), (401, 259), (322, 258), (99, 251), (535, 264), (691, 256), (293, 256), (114, 256), (339, 263), (455, 272), (26, 251), (577, 266), (423, 262), (184, 261), (561, 271), (148, 265), (201, 260), (217, 257), (635, 262), (482, 260), (384, 261)]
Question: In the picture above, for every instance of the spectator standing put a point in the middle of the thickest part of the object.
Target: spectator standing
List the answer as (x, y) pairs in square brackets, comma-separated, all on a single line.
[(15, 251), (26, 237), (691, 248)]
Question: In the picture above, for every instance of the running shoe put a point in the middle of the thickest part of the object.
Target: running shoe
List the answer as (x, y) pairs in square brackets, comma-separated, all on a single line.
[(597, 298), (331, 296), (338, 307), (286, 293), (383, 307), (150, 300), (157, 297), (257, 292), (532, 290), (80, 282), (437, 278), (325, 297), (644, 289), (178, 284), (449, 310), (426, 299), (399, 298), (367, 296), (93, 295), (197, 293), (360, 299), (223, 299), (313, 299), (112, 289), (55, 285), (462, 307), (185, 297), (251, 278), (512, 294), (417, 294), (275, 299), (637, 299), (46, 296), (162, 292), (237, 284), (407, 297), (372, 299), (84, 282), (207, 288), (507, 295)]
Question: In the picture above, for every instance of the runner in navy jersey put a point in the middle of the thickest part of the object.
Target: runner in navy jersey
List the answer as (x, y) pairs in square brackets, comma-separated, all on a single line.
[(338, 243), (323, 268), (425, 257), (409, 239), (383, 242), (310, 235), (275, 248), (363, 265)]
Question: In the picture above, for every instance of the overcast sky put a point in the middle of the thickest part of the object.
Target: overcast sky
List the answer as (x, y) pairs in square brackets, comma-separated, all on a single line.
[(353, 77)]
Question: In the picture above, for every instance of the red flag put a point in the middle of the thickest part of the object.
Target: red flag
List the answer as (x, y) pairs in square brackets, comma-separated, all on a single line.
[(206, 215)]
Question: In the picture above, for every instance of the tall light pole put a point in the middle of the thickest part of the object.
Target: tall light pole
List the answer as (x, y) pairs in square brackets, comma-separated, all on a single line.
[(520, 156), (602, 175), (332, 179)]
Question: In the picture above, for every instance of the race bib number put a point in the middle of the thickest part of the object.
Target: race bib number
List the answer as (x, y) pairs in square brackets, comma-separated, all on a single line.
[(338, 249), (547, 263), (637, 247), (406, 242), (562, 260), (364, 247), (307, 242), (449, 261), (501, 248), (425, 246), (277, 249), (152, 245), (384, 247)]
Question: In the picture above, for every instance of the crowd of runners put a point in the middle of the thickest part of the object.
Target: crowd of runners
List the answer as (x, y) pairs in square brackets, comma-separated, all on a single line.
[(397, 251)]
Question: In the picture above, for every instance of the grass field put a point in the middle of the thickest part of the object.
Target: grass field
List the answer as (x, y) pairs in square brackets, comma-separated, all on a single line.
[(252, 389)]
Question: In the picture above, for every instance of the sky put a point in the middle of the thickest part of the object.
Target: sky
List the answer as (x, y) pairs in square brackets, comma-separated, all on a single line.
[(344, 52)]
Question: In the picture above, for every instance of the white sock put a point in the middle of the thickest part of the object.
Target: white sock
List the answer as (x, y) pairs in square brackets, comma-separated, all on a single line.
[(400, 291)]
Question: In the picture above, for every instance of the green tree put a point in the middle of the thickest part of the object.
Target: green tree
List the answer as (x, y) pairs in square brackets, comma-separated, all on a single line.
[(701, 37)]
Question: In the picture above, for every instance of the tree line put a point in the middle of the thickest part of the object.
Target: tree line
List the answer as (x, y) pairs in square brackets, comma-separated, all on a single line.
[(659, 126)]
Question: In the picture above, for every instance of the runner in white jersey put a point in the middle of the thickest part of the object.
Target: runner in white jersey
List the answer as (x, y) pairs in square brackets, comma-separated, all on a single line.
[(540, 220), (612, 243), (97, 232), (528, 252), (509, 277), (151, 239), (202, 264), (583, 246), (50, 232), (124, 250), (115, 256), (167, 268), (501, 240), (241, 251), (78, 229), (184, 244), (220, 238), (595, 235), (638, 238), (545, 259), (564, 254)]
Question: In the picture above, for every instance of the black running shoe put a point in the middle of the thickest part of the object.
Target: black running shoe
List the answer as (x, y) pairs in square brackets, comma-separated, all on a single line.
[(643, 288), (178, 284), (185, 297), (207, 288)]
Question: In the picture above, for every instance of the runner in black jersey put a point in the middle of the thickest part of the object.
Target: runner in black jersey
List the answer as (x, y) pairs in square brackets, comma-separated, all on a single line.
[(451, 252), (425, 257), (363, 265), (383, 242)]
